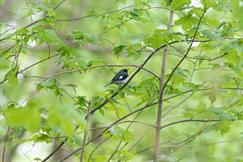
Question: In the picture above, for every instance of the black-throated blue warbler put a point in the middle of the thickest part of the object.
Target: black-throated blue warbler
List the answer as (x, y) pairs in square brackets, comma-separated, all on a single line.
[(121, 77)]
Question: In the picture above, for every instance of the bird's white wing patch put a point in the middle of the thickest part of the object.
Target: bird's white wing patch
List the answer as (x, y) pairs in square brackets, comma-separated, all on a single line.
[(120, 77)]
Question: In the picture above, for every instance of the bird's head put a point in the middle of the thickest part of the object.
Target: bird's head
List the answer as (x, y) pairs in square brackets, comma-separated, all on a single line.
[(124, 70)]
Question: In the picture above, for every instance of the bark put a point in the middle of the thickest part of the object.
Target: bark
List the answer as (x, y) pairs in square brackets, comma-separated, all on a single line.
[(160, 101)]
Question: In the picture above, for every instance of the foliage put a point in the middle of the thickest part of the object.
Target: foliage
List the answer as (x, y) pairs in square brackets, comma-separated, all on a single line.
[(58, 55)]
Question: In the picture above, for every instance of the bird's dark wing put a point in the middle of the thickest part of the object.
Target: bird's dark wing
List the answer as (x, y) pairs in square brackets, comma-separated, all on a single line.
[(121, 75)]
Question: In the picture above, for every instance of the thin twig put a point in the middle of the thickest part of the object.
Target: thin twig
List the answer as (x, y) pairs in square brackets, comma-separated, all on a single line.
[(162, 89), (194, 66), (177, 104), (115, 26), (139, 68), (91, 154), (193, 120), (31, 24), (136, 143), (95, 66), (145, 149), (133, 75), (4, 146), (187, 52), (85, 134), (141, 109), (54, 151), (108, 127), (38, 62), (59, 4), (116, 150), (138, 122), (96, 15), (110, 12), (8, 49), (185, 142), (16, 58)]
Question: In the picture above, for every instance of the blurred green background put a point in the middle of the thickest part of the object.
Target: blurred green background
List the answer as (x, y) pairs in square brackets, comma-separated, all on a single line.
[(56, 56)]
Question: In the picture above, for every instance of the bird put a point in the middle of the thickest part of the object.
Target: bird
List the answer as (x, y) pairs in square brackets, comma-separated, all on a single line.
[(121, 77)]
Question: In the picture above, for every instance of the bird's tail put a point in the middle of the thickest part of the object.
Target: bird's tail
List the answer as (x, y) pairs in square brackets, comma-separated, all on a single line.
[(108, 84)]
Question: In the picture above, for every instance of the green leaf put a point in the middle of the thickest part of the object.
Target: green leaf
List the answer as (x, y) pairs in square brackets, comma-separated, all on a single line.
[(232, 57), (102, 112), (238, 15), (85, 37), (127, 136), (37, 159), (96, 101), (223, 115), (180, 76), (223, 127), (41, 138), (51, 84), (234, 4), (212, 35), (11, 76), (161, 37), (135, 14), (8, 90), (50, 36), (187, 22), (148, 89), (64, 51), (212, 21), (197, 11), (209, 3), (212, 97), (179, 4), (51, 13), (27, 117), (62, 119), (4, 64), (73, 86), (119, 49), (95, 62), (67, 127), (168, 2), (81, 101)]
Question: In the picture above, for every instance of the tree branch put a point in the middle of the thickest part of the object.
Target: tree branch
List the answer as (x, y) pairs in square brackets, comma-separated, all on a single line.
[(38, 62), (133, 75), (193, 120), (30, 66), (139, 110), (116, 150), (108, 127), (138, 122), (98, 147), (187, 52), (160, 100), (54, 151), (33, 23), (4, 146), (110, 12), (96, 66), (141, 66)]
